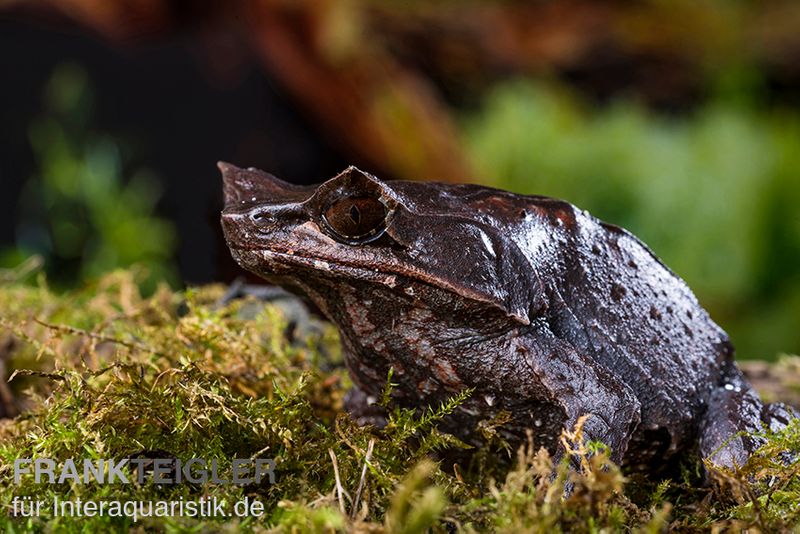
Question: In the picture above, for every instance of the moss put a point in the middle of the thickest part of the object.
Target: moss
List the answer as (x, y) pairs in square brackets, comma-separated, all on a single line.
[(106, 373)]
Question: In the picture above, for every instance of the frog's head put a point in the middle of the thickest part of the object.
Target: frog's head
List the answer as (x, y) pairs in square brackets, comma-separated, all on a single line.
[(397, 236)]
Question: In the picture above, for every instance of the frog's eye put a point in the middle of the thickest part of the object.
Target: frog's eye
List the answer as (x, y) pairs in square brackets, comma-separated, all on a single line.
[(356, 220)]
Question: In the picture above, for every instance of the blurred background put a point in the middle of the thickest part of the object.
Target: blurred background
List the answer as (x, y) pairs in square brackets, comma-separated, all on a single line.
[(679, 120)]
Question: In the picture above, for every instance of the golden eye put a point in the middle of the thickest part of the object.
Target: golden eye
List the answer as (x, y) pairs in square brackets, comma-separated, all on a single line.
[(356, 219)]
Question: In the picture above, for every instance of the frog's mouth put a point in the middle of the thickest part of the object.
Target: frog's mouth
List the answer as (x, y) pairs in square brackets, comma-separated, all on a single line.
[(274, 264), (265, 255)]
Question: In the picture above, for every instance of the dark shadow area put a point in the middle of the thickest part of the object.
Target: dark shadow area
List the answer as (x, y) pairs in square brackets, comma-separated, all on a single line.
[(177, 115)]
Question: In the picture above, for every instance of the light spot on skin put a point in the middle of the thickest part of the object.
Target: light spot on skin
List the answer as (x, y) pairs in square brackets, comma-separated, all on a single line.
[(390, 281), (488, 244), (409, 291), (445, 373), (420, 314), (359, 316), (489, 400), (425, 349), (322, 265), (427, 386)]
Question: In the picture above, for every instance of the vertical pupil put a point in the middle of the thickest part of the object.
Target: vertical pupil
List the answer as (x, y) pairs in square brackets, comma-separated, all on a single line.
[(357, 218), (355, 215)]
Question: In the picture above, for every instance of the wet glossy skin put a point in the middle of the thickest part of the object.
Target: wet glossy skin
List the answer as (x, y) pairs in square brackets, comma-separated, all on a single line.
[(547, 312)]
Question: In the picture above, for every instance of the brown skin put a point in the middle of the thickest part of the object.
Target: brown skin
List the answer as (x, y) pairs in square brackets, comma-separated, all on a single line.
[(547, 312)]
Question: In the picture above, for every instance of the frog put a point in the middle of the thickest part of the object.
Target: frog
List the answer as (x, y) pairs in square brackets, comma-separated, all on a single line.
[(548, 316)]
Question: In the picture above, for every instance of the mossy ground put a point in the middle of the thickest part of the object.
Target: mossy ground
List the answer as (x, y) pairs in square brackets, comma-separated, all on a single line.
[(111, 374)]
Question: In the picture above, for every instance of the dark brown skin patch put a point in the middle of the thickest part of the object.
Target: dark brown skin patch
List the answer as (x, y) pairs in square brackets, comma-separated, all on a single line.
[(548, 313), (617, 292)]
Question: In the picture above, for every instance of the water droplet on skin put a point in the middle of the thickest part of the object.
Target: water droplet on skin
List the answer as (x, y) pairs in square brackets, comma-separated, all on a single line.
[(322, 265), (537, 423), (253, 199)]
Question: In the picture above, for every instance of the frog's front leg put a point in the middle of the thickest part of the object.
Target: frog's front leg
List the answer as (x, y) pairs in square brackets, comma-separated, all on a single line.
[(581, 386)]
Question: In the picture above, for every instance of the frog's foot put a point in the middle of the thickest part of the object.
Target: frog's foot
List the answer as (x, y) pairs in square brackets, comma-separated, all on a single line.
[(734, 413), (266, 293), (778, 415), (364, 409)]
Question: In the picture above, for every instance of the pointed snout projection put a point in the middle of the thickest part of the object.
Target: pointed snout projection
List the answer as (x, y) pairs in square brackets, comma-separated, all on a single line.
[(247, 187), (257, 204)]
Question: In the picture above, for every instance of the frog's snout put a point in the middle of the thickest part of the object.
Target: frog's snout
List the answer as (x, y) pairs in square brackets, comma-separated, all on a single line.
[(242, 187)]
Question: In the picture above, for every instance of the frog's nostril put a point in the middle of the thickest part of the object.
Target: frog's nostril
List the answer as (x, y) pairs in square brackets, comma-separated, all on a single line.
[(260, 216), (270, 217)]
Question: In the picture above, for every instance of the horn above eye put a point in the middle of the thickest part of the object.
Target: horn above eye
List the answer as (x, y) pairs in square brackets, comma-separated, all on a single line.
[(356, 220)]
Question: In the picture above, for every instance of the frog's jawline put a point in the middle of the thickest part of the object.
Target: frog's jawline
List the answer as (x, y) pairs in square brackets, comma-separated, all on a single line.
[(385, 277)]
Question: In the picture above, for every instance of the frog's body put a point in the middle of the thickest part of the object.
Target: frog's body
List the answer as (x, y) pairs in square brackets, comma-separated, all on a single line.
[(548, 313)]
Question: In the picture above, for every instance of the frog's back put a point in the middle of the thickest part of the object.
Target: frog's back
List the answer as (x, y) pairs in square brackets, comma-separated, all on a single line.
[(614, 299), (609, 297)]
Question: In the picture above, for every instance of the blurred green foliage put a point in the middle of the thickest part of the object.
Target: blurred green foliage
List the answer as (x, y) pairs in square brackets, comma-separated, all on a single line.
[(714, 194), (82, 211)]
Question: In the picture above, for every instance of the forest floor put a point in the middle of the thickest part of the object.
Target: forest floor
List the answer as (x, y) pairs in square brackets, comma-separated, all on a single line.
[(104, 373)]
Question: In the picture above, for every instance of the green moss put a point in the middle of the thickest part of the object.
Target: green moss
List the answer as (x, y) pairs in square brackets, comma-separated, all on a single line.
[(106, 373)]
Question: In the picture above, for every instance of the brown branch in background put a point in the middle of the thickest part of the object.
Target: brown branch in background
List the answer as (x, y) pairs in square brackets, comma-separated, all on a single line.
[(379, 78), (385, 115)]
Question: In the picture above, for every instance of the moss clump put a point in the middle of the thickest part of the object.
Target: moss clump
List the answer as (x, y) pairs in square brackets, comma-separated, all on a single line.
[(107, 373)]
